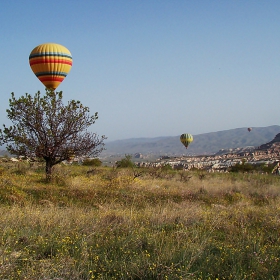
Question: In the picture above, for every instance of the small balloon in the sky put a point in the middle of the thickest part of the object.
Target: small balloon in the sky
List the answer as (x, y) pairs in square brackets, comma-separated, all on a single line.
[(51, 63), (186, 139)]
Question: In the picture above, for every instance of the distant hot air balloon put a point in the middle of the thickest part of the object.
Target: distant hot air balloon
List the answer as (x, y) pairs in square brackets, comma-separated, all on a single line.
[(249, 129), (186, 139), (50, 63)]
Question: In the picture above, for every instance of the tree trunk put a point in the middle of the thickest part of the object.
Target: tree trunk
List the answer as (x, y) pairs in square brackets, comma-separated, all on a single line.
[(49, 166)]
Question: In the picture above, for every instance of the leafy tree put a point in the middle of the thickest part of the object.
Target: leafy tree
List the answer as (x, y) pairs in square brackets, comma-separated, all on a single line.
[(125, 162), (92, 162), (43, 127)]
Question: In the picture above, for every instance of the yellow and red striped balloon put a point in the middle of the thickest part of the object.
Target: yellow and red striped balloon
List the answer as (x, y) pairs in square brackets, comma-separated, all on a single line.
[(50, 63), (186, 139)]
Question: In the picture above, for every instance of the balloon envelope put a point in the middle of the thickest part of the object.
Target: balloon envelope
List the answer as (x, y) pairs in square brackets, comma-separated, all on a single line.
[(51, 63), (186, 139)]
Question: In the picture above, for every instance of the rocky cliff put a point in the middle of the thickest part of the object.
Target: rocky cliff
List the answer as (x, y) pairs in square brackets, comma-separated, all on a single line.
[(272, 146)]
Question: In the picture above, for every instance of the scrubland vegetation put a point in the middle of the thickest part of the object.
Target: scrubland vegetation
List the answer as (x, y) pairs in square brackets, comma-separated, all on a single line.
[(127, 223)]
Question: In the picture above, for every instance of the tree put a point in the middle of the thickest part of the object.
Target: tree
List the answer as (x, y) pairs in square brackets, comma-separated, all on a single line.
[(43, 127), (125, 162)]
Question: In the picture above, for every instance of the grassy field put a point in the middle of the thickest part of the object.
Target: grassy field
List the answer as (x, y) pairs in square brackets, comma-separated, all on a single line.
[(107, 223)]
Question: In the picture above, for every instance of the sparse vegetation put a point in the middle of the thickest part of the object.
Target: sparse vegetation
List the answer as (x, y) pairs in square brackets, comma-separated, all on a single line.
[(113, 225)]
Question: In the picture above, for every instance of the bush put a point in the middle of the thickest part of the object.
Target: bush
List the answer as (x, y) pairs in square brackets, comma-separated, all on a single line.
[(247, 167), (166, 167), (125, 162), (243, 167), (92, 162)]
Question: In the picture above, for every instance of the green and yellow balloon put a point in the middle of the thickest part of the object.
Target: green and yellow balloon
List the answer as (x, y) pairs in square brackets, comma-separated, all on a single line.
[(186, 139), (51, 63)]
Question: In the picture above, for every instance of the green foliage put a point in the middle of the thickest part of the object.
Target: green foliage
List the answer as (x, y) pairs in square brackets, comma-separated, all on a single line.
[(92, 162), (248, 167), (166, 167), (266, 168), (125, 162)]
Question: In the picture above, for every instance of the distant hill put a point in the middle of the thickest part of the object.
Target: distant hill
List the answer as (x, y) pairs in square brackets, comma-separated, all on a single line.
[(207, 143)]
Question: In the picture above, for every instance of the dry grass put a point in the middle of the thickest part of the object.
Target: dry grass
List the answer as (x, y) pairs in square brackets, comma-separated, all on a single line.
[(110, 225)]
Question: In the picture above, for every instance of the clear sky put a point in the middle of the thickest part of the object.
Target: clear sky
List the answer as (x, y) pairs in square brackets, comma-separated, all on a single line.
[(152, 67)]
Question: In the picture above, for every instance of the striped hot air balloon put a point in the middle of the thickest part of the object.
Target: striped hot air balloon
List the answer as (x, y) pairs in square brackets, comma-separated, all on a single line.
[(50, 63), (186, 139)]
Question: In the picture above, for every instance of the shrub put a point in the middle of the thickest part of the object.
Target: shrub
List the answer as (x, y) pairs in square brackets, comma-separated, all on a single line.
[(125, 162), (242, 167), (247, 167), (92, 162), (166, 167)]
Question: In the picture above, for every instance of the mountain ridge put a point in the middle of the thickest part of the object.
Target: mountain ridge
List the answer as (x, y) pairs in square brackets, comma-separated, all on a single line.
[(205, 143)]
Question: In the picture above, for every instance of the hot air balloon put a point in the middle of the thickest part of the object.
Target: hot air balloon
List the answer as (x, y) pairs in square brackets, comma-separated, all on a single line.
[(186, 139), (249, 129), (50, 63)]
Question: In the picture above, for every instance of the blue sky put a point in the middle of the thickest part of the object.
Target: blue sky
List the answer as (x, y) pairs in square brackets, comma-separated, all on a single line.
[(152, 68)]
